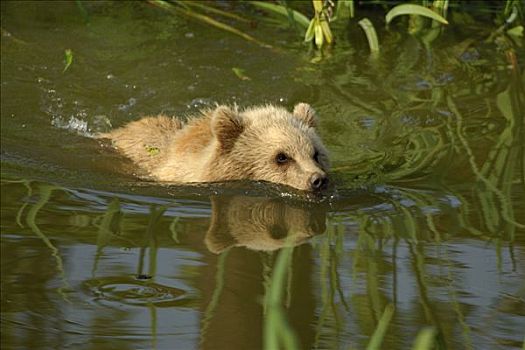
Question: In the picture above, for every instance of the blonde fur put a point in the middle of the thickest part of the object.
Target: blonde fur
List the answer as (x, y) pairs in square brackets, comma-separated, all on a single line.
[(227, 144)]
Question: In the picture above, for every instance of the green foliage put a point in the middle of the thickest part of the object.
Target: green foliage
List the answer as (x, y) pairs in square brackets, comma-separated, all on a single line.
[(319, 30), (277, 332), (68, 59), (371, 35), (240, 73), (379, 333), (329, 16), (413, 10), (294, 16), (184, 8), (425, 339)]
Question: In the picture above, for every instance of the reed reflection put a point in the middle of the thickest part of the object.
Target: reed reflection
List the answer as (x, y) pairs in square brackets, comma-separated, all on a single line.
[(247, 233)]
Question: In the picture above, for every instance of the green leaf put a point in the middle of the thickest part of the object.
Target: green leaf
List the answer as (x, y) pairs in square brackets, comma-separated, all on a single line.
[(239, 72), (152, 150), (411, 9), (379, 333), (371, 35), (345, 8), (319, 40), (425, 339), (326, 31), (68, 59), (281, 10), (214, 10), (318, 5), (206, 19), (516, 31), (310, 31)]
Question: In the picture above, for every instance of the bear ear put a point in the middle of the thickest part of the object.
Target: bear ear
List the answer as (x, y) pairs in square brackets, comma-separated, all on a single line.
[(226, 126), (306, 113)]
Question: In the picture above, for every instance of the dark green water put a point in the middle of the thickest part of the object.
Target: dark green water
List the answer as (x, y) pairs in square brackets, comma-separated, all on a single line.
[(428, 215)]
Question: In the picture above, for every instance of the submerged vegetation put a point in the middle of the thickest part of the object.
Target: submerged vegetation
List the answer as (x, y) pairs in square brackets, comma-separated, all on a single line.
[(414, 219)]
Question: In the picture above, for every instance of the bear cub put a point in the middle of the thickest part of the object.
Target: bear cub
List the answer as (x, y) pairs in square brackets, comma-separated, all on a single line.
[(265, 143)]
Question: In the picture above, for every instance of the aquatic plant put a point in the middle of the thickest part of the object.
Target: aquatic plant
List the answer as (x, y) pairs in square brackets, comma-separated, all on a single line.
[(331, 13)]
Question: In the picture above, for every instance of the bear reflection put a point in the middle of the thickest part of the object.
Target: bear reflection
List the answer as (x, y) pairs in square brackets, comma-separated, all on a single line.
[(261, 224)]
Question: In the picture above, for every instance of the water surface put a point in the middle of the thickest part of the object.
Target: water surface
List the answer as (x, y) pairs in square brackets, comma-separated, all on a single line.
[(427, 215)]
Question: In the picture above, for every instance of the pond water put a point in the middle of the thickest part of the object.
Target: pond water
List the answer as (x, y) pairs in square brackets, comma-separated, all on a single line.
[(427, 217)]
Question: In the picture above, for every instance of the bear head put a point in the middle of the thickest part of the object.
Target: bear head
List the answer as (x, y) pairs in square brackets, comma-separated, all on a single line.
[(269, 143)]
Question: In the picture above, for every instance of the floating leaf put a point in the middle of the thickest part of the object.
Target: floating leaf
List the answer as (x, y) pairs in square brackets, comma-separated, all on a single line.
[(68, 54), (152, 150), (239, 72), (371, 35), (411, 9)]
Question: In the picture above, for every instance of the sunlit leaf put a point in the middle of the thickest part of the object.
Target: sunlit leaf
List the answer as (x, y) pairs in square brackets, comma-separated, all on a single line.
[(319, 40), (327, 32), (310, 31), (239, 72), (371, 35), (382, 326), (276, 328), (516, 31), (68, 57), (318, 5), (425, 339), (411, 9)]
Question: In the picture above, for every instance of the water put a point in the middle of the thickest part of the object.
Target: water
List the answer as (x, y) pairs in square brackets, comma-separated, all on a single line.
[(427, 149)]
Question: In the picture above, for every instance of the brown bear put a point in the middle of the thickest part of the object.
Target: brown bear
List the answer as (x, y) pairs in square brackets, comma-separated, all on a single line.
[(265, 143)]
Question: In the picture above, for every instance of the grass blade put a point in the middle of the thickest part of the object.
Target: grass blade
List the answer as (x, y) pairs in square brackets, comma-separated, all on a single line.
[(298, 17), (309, 35), (206, 19), (379, 333), (214, 10), (411, 9), (371, 34), (276, 330), (425, 339), (68, 57), (240, 73)]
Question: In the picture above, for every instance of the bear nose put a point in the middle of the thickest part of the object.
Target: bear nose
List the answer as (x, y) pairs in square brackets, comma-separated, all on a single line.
[(318, 181)]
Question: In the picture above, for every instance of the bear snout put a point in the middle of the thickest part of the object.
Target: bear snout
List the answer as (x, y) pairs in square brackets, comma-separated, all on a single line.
[(318, 182)]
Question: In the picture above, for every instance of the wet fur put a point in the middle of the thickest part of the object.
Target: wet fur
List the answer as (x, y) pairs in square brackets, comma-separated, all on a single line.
[(226, 144)]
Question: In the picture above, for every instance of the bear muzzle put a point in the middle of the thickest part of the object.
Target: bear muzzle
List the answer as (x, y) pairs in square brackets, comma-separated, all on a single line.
[(318, 182)]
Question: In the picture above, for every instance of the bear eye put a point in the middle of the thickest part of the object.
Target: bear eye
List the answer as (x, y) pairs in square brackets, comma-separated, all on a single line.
[(316, 156), (281, 158)]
